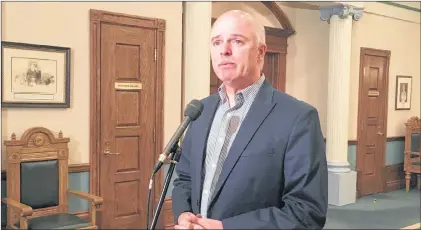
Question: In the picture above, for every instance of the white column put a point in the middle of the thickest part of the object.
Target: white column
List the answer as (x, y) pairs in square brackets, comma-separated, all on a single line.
[(342, 181), (340, 19), (197, 21)]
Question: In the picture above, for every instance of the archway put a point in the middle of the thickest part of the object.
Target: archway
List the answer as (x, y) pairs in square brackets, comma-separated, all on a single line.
[(280, 15)]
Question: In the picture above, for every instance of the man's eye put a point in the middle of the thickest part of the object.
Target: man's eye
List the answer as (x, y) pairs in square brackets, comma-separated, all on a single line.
[(215, 43), (238, 41)]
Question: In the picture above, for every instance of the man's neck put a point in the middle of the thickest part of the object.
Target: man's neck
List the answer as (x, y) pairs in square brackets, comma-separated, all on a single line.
[(233, 88)]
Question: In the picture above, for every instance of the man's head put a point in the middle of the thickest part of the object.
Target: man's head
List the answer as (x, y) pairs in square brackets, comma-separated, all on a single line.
[(238, 48)]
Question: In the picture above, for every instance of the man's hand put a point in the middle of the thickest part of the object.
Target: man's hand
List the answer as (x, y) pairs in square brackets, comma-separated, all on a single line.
[(186, 220), (208, 224)]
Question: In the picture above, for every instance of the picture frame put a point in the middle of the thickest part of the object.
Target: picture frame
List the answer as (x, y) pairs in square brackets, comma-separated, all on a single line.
[(35, 76), (403, 93)]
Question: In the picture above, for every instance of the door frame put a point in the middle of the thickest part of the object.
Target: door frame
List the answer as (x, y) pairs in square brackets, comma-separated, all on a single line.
[(96, 18), (381, 53)]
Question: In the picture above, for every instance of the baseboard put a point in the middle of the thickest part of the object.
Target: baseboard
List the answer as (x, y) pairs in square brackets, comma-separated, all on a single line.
[(395, 178)]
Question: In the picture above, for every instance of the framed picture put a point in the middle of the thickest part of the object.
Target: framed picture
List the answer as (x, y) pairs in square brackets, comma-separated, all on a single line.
[(35, 76), (403, 93)]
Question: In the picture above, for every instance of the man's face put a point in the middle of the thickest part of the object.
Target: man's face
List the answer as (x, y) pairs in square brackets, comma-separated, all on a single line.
[(234, 50)]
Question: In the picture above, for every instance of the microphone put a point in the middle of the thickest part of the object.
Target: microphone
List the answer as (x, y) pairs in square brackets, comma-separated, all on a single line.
[(191, 113)]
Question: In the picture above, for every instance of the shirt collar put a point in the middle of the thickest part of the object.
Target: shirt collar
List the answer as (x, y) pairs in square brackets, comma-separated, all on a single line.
[(247, 93)]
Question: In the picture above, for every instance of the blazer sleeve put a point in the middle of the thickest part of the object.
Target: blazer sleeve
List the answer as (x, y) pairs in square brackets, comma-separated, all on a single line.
[(181, 193), (304, 199)]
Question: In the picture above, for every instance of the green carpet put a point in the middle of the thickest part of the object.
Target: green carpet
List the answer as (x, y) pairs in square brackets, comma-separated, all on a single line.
[(391, 210)]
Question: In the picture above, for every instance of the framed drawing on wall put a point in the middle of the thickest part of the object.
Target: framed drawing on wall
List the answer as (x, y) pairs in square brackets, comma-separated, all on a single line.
[(35, 76), (403, 93)]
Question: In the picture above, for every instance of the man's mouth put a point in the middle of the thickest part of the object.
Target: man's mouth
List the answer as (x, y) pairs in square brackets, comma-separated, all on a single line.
[(226, 64)]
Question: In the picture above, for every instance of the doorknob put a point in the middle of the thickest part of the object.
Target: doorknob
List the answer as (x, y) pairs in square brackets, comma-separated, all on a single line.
[(380, 133), (107, 150)]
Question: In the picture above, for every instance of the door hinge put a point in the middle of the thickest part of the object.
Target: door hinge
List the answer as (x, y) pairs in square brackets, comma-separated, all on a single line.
[(155, 54), (154, 135)]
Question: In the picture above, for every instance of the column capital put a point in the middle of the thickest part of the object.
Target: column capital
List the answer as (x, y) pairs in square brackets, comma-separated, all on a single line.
[(343, 11)]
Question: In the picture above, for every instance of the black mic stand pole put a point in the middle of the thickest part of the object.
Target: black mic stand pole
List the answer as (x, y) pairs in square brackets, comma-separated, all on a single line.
[(174, 158)]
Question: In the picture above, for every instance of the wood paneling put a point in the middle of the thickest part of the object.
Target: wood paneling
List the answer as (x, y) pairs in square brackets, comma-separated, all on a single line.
[(168, 215), (395, 177)]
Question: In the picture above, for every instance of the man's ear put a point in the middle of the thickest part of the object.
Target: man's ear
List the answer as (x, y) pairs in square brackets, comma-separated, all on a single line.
[(262, 51)]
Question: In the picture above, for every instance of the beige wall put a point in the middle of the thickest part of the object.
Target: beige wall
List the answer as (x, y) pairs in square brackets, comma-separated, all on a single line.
[(398, 30), (307, 58), (67, 24), (382, 26)]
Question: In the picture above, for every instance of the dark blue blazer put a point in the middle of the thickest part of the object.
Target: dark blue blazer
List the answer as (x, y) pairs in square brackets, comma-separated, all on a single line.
[(275, 174)]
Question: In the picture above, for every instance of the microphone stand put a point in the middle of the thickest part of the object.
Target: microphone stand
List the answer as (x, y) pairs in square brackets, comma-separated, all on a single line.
[(174, 158)]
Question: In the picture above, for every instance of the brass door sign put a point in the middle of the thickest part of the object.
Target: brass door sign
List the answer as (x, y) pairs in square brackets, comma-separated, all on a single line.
[(373, 93), (128, 85)]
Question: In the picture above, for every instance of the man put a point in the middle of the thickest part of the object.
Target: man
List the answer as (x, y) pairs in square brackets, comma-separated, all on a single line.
[(255, 157)]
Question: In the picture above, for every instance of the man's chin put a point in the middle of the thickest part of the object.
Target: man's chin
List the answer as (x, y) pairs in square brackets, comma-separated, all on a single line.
[(227, 78)]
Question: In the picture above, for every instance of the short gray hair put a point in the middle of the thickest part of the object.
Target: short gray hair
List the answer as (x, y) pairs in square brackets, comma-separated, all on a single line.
[(260, 33)]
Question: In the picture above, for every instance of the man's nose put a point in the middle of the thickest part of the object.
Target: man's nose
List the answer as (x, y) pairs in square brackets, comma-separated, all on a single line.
[(226, 49)]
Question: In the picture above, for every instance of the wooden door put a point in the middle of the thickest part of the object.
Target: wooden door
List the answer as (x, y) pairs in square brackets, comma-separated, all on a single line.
[(274, 67), (129, 100), (372, 120)]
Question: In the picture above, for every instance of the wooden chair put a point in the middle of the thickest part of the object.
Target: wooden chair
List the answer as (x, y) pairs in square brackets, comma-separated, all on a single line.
[(412, 159), (37, 183)]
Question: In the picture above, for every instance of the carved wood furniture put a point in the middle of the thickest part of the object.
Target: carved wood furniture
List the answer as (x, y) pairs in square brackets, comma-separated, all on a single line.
[(37, 183), (412, 159)]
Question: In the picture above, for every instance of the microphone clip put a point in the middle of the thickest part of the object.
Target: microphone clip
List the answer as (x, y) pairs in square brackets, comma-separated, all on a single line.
[(174, 150)]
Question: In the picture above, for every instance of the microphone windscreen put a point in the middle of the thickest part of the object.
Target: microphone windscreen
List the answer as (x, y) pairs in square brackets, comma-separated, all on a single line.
[(193, 109)]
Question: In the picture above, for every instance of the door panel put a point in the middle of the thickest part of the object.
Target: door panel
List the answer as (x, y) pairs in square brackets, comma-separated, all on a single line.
[(372, 121), (127, 123)]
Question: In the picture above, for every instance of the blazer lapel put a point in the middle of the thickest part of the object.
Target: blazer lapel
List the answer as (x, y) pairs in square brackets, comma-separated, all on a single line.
[(257, 113), (202, 133)]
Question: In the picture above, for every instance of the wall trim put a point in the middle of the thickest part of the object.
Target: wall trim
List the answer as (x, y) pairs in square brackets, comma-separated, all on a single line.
[(280, 16), (395, 178), (396, 138), (84, 167), (388, 139), (401, 6), (73, 168)]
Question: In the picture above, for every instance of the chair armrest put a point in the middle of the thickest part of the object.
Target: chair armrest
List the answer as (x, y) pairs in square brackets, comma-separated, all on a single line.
[(25, 210), (95, 199)]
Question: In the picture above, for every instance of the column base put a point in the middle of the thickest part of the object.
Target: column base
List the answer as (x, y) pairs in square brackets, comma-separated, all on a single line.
[(338, 167), (342, 188)]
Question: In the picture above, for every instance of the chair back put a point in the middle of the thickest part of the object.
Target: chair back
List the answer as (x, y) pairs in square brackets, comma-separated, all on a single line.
[(412, 135), (37, 172)]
